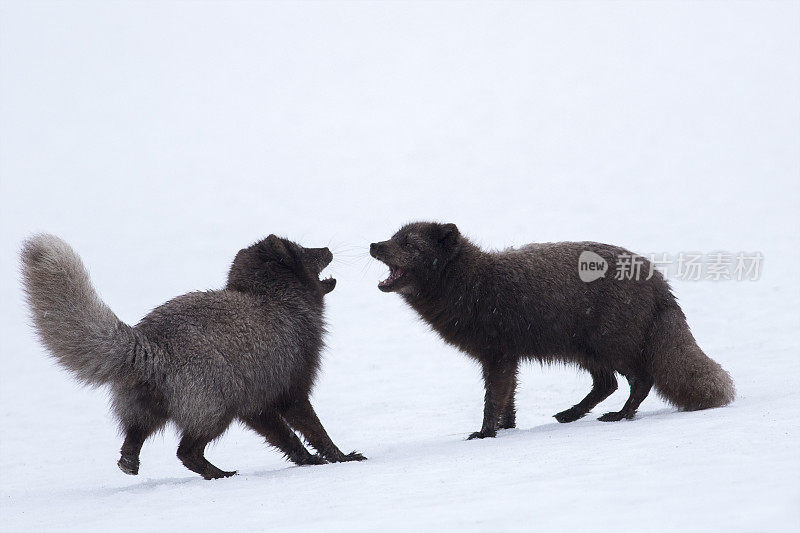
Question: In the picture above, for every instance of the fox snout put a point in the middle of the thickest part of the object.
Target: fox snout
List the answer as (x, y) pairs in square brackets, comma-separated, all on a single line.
[(375, 248), (319, 257), (327, 256)]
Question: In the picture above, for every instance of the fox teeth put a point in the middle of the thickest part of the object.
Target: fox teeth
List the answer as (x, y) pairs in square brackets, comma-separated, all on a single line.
[(394, 274)]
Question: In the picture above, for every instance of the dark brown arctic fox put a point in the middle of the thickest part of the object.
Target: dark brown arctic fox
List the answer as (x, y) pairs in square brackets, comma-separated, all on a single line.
[(530, 303), (249, 351)]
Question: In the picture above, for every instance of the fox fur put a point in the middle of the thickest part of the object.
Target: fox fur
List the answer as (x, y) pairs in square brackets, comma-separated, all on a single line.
[(530, 303), (250, 351)]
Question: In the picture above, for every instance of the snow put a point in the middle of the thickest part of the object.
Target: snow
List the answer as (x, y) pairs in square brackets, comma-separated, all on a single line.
[(160, 139)]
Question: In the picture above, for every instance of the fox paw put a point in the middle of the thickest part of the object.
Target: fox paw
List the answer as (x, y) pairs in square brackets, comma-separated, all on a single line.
[(569, 415), (353, 456), (315, 459), (216, 473), (616, 416), (129, 465), (482, 435)]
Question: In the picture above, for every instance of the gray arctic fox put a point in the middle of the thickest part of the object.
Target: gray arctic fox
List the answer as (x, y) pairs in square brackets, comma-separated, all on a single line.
[(530, 303), (250, 351)]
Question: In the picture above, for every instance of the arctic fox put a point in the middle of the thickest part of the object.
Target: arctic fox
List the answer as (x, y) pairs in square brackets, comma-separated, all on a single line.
[(250, 351), (530, 303)]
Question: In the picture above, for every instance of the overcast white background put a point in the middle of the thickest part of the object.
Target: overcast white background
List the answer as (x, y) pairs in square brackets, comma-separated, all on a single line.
[(158, 138)]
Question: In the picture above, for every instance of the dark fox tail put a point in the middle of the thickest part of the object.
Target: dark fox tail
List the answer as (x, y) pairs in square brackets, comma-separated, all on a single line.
[(684, 375), (78, 329)]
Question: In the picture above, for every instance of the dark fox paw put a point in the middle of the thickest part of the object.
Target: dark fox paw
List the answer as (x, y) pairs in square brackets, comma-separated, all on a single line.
[(482, 434), (307, 459), (616, 416), (353, 456), (569, 415), (129, 465), (216, 473)]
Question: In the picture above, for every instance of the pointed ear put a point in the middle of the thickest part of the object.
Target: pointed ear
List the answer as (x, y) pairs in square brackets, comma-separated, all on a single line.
[(448, 234), (276, 245)]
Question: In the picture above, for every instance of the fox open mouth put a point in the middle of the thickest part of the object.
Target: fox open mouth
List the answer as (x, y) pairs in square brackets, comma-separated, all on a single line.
[(328, 283), (395, 273)]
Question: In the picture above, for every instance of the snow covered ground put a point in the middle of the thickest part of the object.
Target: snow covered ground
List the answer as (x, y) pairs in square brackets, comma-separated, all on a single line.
[(159, 138)]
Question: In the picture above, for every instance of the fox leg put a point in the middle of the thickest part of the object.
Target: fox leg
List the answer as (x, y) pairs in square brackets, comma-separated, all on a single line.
[(141, 415), (301, 416), (499, 377), (640, 388), (604, 383), (135, 435), (508, 419), (193, 445), (190, 452), (271, 426)]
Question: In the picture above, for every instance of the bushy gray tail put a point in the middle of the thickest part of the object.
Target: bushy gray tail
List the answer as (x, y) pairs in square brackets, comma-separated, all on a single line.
[(78, 329), (684, 375)]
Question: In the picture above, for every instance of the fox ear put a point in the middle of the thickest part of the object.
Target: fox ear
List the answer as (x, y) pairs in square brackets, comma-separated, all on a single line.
[(276, 245), (448, 234)]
